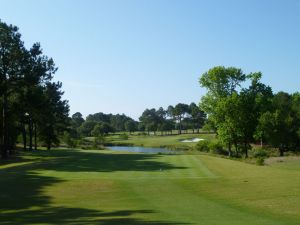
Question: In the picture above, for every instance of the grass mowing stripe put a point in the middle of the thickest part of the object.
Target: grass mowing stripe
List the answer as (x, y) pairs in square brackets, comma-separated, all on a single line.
[(202, 167), (101, 187)]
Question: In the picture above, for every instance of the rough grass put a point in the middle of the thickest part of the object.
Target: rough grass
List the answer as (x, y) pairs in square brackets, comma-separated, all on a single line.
[(104, 187)]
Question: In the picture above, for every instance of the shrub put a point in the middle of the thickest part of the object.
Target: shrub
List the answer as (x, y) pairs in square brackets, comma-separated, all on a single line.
[(202, 146), (124, 136), (69, 141), (260, 161), (98, 142), (260, 153), (217, 148)]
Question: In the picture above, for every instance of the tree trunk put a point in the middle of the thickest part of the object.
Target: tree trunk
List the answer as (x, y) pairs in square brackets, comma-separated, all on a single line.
[(246, 150), (180, 125), (4, 149), (30, 127), (281, 151), (24, 137), (229, 150), (236, 149), (35, 137)]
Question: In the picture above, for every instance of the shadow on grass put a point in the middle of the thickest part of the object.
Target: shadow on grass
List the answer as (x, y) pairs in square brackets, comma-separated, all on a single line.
[(76, 216), (80, 161), (22, 200)]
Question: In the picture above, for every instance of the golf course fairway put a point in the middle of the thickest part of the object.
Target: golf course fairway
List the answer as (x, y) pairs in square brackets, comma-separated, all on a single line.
[(105, 187)]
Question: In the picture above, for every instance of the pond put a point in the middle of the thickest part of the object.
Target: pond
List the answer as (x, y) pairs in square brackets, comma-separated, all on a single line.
[(142, 149)]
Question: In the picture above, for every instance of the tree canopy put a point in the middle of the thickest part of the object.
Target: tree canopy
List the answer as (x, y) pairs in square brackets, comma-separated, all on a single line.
[(30, 102)]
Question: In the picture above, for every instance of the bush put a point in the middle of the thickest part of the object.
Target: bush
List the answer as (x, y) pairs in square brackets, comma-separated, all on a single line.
[(260, 153), (260, 161), (217, 148), (124, 136), (202, 146), (69, 141)]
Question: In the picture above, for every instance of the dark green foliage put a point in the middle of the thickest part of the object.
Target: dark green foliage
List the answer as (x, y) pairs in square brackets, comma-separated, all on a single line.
[(30, 103), (202, 146), (99, 142), (69, 141), (86, 128), (260, 161), (106, 123), (260, 153), (150, 119), (179, 112), (217, 148), (280, 125), (180, 117), (131, 126), (242, 116), (77, 119), (123, 136), (54, 115)]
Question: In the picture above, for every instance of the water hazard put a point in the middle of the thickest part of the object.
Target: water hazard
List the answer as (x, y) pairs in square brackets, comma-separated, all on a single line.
[(142, 149)]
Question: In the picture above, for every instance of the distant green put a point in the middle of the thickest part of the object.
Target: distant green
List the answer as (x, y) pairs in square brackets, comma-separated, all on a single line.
[(170, 141)]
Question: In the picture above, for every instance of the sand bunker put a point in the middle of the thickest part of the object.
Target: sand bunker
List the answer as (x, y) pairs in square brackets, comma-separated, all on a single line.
[(193, 140)]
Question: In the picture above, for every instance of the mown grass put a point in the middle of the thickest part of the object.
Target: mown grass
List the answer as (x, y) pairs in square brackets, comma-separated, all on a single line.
[(105, 187)]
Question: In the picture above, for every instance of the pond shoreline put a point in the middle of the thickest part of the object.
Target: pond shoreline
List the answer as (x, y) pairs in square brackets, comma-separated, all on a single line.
[(141, 149)]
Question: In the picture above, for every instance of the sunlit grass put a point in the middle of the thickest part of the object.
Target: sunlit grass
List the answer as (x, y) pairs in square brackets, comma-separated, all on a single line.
[(169, 141), (105, 187)]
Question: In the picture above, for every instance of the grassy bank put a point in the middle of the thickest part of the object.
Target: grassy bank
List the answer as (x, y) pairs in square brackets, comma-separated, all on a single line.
[(104, 187)]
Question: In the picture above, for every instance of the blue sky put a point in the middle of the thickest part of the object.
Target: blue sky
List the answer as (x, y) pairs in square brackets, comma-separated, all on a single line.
[(125, 56)]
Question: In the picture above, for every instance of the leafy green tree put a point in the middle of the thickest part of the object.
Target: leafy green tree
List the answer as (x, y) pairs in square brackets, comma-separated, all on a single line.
[(54, 120), (171, 115), (101, 129), (296, 115), (280, 126), (150, 120), (38, 70), (130, 126), (25, 76), (198, 117), (227, 116), (98, 130), (180, 110), (234, 113), (161, 119), (69, 140), (220, 83), (77, 119), (116, 122), (11, 57), (167, 125), (85, 130)]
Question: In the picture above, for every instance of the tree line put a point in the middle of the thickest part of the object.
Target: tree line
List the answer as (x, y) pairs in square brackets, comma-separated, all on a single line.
[(242, 115), (100, 124), (31, 103), (180, 117)]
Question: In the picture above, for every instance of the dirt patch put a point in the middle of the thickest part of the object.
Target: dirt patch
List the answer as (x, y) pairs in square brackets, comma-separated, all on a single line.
[(273, 160)]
